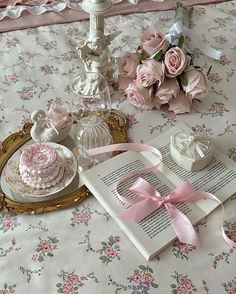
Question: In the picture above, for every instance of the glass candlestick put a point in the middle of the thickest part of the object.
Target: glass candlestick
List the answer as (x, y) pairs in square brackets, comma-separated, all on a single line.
[(91, 106)]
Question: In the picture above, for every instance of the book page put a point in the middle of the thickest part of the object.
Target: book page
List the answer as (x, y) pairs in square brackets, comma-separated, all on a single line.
[(155, 231), (218, 178)]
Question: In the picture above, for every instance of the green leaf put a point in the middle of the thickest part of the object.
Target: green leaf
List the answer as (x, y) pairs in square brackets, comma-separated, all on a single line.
[(142, 267), (150, 270), (104, 243), (159, 56), (143, 55), (154, 285), (59, 285), (181, 41), (50, 254), (183, 80), (103, 257), (173, 286)]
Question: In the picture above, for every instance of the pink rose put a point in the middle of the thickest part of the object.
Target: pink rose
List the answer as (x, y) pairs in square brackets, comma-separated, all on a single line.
[(123, 82), (78, 217), (181, 104), (86, 217), (187, 283), (148, 278), (181, 290), (231, 290), (140, 97), (197, 83), (128, 65), (151, 72), (4, 291), (167, 91), (175, 61), (73, 279), (67, 288), (153, 43)]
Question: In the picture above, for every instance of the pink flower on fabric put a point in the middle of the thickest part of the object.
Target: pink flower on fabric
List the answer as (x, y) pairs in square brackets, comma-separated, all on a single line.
[(150, 72), (148, 278), (45, 246), (108, 250), (140, 97), (78, 217), (5, 291), (167, 91), (86, 217), (181, 290), (232, 290), (187, 283), (8, 223), (153, 43), (137, 277), (197, 83), (184, 248), (67, 288), (181, 104), (73, 279), (175, 61), (128, 65)]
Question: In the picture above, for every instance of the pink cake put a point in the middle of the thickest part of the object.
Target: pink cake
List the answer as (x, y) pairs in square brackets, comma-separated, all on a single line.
[(40, 166)]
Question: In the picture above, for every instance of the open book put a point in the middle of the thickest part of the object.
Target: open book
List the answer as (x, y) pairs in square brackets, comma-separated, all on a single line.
[(154, 233)]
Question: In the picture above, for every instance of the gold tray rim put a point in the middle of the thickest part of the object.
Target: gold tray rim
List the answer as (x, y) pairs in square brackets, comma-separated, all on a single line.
[(13, 142)]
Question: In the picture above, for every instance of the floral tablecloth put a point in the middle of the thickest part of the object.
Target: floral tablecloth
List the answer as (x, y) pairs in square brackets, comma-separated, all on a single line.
[(81, 249)]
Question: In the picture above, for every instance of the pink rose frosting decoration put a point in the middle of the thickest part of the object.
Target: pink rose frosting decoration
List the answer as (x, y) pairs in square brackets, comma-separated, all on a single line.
[(140, 97), (175, 61), (181, 104), (153, 43), (150, 72), (128, 65), (168, 90), (197, 83)]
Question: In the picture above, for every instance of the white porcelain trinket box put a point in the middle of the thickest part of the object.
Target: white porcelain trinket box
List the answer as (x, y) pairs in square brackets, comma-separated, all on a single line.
[(192, 151)]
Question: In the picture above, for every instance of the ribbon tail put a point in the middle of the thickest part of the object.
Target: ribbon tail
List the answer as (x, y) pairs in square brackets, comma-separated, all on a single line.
[(138, 211), (182, 226)]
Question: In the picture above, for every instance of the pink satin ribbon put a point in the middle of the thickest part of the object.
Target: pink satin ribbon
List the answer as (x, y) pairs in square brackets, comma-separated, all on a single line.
[(149, 199), (128, 147), (152, 200)]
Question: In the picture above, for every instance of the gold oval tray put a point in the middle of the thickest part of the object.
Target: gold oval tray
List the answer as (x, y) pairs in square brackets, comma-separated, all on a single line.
[(118, 124)]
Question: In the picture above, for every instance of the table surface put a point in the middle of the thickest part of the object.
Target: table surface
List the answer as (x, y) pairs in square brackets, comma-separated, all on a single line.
[(81, 249)]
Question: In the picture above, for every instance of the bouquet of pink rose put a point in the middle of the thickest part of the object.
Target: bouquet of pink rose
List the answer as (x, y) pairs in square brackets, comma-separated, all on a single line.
[(161, 73)]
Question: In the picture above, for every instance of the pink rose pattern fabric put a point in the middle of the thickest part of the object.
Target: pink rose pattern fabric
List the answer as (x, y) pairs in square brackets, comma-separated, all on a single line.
[(81, 249)]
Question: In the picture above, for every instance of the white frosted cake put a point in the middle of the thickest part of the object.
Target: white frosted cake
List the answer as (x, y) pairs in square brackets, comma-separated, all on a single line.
[(40, 166)]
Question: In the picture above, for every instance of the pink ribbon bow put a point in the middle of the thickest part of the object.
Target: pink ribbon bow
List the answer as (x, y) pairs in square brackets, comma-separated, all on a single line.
[(48, 122), (152, 200)]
